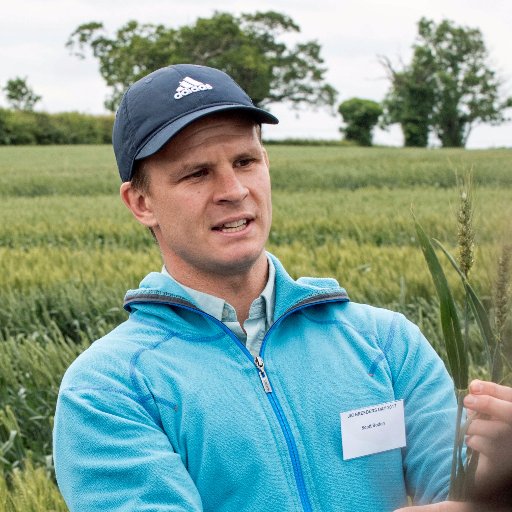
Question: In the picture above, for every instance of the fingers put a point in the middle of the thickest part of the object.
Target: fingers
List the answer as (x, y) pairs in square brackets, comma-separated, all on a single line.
[(453, 506), (482, 387), (493, 439), (494, 429), (491, 436), (490, 404), (445, 506), (492, 447)]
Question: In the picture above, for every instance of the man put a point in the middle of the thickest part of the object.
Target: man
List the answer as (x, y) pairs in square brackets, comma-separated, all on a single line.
[(224, 388)]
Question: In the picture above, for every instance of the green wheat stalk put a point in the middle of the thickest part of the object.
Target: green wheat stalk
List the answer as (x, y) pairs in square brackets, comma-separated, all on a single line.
[(502, 309), (455, 351), (455, 337)]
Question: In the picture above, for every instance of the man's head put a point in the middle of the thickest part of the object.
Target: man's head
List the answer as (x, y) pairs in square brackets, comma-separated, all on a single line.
[(158, 106), (205, 190)]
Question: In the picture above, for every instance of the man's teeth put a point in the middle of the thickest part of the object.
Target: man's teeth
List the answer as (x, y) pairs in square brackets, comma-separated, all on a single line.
[(231, 227)]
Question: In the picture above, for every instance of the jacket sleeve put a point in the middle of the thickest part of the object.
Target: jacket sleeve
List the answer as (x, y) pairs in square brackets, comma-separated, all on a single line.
[(422, 381), (111, 454)]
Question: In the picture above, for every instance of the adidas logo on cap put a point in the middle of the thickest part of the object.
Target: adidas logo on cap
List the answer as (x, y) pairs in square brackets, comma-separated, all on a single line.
[(188, 86)]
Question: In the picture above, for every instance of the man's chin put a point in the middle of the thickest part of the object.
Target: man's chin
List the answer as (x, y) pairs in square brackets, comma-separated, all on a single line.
[(238, 263)]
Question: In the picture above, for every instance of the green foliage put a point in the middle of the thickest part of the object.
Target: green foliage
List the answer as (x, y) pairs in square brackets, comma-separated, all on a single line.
[(32, 369), (447, 88), (17, 127), (29, 489), (455, 348), (410, 102), (249, 47), (360, 117), (19, 95), (503, 311), (26, 127)]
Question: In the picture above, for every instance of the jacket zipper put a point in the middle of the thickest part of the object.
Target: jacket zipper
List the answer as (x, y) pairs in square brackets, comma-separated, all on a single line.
[(276, 406), (267, 387), (258, 361)]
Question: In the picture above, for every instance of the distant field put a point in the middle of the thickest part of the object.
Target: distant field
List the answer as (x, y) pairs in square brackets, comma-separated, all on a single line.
[(62, 218), (69, 249), (90, 170)]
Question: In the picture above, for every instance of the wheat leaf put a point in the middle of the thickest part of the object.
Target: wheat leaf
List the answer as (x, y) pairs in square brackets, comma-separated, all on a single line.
[(481, 316), (457, 356)]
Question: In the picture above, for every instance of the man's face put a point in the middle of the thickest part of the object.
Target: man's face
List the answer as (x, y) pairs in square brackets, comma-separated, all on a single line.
[(209, 197)]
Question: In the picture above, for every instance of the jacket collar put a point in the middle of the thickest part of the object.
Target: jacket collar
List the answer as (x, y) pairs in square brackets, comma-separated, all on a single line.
[(289, 294)]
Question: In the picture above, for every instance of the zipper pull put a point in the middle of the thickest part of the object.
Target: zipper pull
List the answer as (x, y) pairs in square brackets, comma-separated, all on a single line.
[(258, 361)]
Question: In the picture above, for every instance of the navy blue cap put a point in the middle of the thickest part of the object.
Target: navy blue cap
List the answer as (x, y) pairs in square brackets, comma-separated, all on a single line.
[(155, 108)]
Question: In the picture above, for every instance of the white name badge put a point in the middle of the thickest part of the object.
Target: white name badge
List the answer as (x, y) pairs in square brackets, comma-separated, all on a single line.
[(373, 429)]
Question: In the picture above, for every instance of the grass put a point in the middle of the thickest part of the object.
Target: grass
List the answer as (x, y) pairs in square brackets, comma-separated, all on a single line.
[(30, 490), (69, 250), (90, 170)]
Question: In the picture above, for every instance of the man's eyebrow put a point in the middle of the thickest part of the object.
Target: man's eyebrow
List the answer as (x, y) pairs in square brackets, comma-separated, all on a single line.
[(248, 153), (191, 167)]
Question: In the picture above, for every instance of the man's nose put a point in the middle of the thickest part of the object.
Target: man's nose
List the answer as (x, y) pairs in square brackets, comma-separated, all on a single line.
[(229, 187)]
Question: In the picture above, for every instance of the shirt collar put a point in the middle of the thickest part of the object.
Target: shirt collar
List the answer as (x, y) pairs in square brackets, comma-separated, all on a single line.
[(222, 310), (268, 294)]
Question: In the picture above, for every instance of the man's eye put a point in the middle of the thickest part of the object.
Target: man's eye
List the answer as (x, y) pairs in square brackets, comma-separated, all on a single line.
[(244, 162), (197, 174)]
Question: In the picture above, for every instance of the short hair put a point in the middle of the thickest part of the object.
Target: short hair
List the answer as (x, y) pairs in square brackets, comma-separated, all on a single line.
[(140, 177)]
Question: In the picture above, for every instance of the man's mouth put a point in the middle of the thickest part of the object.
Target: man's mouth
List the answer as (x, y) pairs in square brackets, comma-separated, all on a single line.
[(233, 227)]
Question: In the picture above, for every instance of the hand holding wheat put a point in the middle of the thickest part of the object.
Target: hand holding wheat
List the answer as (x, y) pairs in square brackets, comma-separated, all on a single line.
[(490, 434)]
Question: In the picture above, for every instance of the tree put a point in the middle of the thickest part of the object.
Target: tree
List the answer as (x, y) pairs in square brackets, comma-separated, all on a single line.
[(447, 88), (410, 103), (19, 95), (248, 47), (360, 117)]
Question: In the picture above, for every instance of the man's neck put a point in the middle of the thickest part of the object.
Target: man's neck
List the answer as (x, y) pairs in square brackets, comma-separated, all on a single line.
[(239, 290)]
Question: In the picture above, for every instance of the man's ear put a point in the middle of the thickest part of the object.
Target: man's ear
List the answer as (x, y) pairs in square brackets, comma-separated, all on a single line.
[(139, 203)]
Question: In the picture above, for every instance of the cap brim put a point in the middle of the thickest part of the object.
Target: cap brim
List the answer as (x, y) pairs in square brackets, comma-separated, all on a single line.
[(162, 136)]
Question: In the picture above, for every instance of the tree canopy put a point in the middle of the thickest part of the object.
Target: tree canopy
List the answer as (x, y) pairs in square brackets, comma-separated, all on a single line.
[(248, 47), (19, 95), (360, 117), (447, 88)]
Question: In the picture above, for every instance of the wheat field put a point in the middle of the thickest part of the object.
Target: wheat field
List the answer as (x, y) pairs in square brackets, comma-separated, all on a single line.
[(69, 249)]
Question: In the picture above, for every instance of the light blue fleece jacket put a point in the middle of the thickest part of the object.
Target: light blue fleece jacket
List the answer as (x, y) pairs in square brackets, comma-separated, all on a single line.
[(169, 411)]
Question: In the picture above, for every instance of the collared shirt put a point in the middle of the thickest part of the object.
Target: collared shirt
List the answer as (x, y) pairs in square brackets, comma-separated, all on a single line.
[(260, 317)]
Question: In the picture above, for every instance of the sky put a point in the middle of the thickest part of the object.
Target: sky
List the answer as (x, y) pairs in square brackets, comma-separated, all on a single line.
[(352, 34)]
